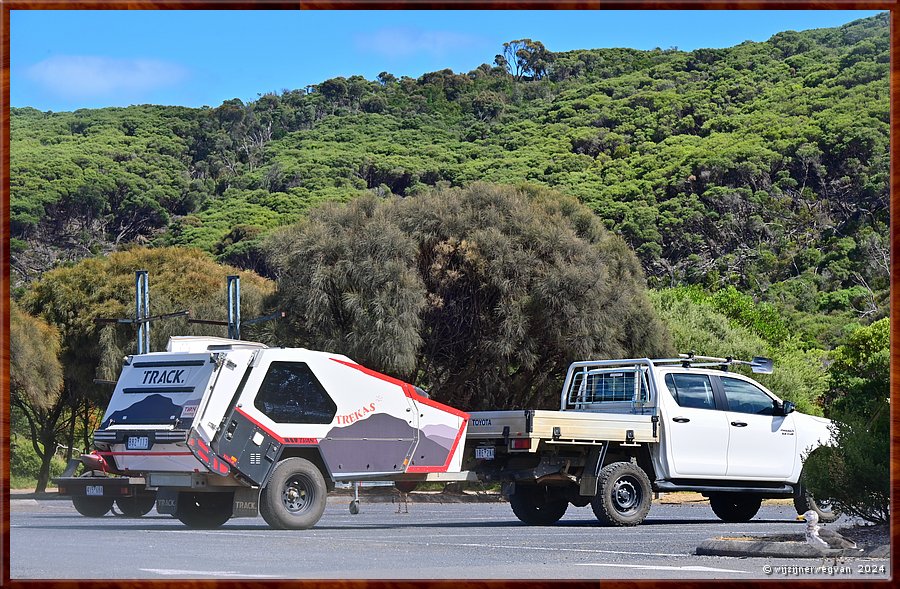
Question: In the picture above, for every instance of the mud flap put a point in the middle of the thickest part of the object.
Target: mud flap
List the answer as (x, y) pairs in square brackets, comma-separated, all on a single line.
[(246, 502), (166, 501)]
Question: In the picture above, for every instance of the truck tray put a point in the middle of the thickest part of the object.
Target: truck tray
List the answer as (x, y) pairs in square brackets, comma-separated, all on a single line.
[(562, 426)]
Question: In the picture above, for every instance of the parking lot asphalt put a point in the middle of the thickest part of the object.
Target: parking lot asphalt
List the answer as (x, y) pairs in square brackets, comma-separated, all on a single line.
[(49, 540)]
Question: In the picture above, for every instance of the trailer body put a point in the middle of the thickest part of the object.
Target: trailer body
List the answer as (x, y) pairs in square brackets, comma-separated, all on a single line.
[(207, 424)]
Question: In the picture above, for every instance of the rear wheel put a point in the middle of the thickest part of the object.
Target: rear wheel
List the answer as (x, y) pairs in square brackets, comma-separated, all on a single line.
[(535, 505), (136, 505), (735, 507), (204, 510), (295, 497), (623, 495), (92, 506)]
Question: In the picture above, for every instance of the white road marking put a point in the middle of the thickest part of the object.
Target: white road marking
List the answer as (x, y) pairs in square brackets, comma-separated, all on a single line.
[(269, 533), (184, 573), (694, 568)]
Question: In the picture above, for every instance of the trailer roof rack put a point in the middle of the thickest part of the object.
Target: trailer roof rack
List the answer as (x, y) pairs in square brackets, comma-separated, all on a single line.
[(758, 365)]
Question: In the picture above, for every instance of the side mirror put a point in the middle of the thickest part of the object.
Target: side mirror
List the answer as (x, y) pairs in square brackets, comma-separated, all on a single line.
[(784, 408)]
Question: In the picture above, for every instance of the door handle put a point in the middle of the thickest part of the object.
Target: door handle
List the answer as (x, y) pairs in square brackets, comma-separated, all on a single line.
[(680, 419), (738, 424)]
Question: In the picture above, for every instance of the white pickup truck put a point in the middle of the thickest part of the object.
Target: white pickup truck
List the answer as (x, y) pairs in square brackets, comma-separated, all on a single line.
[(628, 428)]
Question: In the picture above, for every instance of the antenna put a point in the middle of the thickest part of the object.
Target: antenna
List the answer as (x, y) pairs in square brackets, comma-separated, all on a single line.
[(142, 315), (234, 307), (234, 311)]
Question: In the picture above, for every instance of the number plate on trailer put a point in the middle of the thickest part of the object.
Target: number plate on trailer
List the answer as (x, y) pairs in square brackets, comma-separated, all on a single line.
[(138, 442), (484, 453), (93, 490)]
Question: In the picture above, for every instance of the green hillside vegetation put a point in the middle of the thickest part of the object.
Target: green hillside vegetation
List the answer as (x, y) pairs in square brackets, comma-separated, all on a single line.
[(763, 166)]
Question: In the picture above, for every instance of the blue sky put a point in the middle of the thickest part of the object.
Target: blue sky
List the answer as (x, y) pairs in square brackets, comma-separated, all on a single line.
[(65, 60)]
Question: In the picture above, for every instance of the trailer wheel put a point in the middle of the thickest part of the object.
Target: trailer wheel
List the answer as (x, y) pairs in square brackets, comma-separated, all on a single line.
[(735, 507), (623, 495), (136, 505), (295, 496), (204, 510), (533, 505), (92, 506)]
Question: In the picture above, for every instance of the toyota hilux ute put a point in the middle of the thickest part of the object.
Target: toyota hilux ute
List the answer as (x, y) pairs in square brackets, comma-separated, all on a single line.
[(629, 428)]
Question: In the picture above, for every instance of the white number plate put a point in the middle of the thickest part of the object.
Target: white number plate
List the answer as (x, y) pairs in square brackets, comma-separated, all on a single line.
[(93, 490), (484, 453), (138, 442)]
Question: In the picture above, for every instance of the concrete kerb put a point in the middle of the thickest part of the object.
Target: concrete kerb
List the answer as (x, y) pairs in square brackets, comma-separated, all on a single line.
[(754, 547)]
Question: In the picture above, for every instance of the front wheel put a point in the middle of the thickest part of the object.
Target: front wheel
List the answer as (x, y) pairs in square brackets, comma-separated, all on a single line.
[(204, 510), (295, 497), (623, 495), (534, 505), (735, 507)]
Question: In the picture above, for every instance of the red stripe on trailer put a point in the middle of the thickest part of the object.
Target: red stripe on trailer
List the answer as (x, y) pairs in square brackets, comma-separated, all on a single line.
[(446, 465), (144, 453), (425, 401), (278, 438), (408, 389), (298, 441)]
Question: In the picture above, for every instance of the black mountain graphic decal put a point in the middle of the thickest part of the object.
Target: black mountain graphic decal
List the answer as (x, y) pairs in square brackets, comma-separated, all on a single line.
[(153, 409)]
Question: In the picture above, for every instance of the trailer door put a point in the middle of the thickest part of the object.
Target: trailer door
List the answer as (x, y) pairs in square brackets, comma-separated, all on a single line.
[(232, 370)]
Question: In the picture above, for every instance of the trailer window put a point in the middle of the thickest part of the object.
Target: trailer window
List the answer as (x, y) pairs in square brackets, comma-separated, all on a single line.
[(291, 393), (691, 390)]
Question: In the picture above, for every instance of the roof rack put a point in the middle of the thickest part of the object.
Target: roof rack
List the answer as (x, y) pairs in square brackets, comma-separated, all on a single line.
[(759, 364)]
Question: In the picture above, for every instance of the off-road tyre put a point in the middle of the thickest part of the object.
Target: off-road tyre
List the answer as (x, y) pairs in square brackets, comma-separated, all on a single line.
[(533, 505), (92, 506), (136, 505), (295, 496), (204, 511), (735, 507), (623, 495), (804, 501)]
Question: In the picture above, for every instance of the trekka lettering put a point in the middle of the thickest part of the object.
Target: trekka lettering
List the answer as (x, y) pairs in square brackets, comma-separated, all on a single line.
[(163, 377), (356, 415)]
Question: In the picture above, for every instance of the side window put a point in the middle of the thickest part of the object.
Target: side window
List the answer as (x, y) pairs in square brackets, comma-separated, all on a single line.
[(744, 397), (691, 390), (291, 393)]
